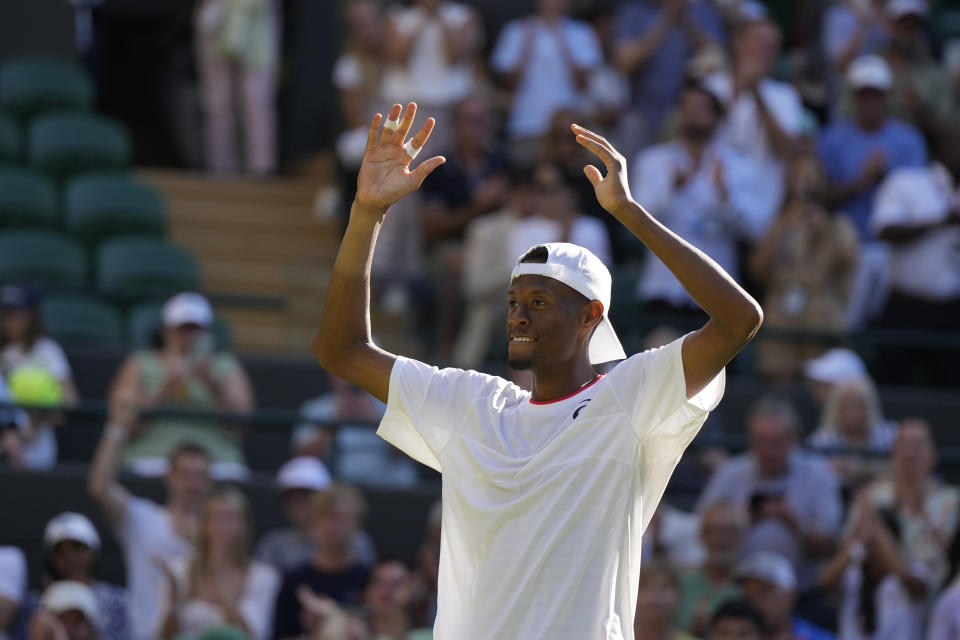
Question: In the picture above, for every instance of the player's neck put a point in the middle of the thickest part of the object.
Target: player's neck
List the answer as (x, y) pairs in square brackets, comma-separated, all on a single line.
[(560, 380)]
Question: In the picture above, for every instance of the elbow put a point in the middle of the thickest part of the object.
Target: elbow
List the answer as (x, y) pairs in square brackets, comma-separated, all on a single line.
[(750, 320)]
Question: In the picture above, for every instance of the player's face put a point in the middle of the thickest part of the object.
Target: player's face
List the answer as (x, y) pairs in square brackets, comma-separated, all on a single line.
[(735, 629), (542, 322)]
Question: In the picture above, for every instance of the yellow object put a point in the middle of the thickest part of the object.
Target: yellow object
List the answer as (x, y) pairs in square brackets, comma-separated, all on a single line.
[(34, 386)]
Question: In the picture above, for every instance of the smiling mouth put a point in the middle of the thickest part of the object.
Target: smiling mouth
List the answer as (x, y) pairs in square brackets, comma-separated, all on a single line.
[(522, 339)]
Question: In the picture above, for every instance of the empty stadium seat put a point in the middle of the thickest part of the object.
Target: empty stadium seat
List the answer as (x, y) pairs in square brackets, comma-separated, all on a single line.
[(31, 85), (139, 267), (28, 198), (68, 143), (78, 319), (9, 140), (100, 206), (147, 317), (41, 257)]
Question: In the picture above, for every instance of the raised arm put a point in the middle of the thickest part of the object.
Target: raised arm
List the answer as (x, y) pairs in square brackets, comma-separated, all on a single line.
[(102, 482), (343, 345), (734, 316)]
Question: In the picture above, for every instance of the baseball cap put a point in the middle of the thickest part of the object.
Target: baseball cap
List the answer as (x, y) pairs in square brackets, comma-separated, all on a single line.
[(834, 366), (70, 525), (187, 308), (70, 595), (304, 472), (18, 296), (768, 567), (34, 386), (897, 9), (869, 72), (583, 272)]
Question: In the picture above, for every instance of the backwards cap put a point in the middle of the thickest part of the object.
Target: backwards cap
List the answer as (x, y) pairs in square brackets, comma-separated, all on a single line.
[(583, 272)]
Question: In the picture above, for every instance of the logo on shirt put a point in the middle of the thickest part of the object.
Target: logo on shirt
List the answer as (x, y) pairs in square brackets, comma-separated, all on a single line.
[(580, 407)]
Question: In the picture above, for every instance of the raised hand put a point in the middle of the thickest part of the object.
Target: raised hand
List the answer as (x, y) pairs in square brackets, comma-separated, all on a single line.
[(385, 174), (613, 190)]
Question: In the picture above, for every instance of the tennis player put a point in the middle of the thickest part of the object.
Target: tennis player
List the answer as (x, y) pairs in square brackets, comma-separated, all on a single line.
[(546, 493)]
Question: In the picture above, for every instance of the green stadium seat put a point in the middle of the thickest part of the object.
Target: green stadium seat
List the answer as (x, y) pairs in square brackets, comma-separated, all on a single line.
[(9, 140), (78, 319), (145, 318), (28, 198), (31, 85), (101, 206), (140, 267), (68, 143), (41, 257)]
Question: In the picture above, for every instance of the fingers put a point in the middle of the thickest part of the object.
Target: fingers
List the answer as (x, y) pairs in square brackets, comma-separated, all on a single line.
[(426, 167), (593, 174), (374, 130), (404, 128), (393, 120), (414, 144), (598, 149)]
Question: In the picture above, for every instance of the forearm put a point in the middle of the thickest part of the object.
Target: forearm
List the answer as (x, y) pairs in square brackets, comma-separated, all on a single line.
[(637, 52), (103, 468)]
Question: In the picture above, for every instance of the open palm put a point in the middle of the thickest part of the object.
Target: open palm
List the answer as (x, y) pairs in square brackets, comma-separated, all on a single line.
[(385, 174), (612, 190)]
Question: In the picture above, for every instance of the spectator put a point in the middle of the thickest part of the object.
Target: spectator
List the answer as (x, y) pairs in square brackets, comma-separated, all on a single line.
[(658, 594), (926, 508), (793, 497), (356, 453), (545, 60), (299, 480), (607, 92), (220, 584), (13, 587), (882, 592), (853, 419), (11, 421), (723, 526), (852, 28), (431, 50), (829, 369), (238, 52), (387, 596), (334, 569), (702, 189), (425, 576), (71, 547), (672, 539), (916, 212), (736, 620), (770, 584), (67, 611), (23, 340), (325, 620), (185, 372), (35, 446), (654, 41), (145, 530), (805, 262), (945, 619)]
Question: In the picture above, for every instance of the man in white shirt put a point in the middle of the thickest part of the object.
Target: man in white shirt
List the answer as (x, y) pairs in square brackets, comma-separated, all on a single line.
[(149, 534), (13, 586), (546, 493)]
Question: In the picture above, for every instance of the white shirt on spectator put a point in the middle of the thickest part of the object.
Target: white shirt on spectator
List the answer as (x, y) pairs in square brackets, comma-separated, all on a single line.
[(929, 265), (427, 75), (544, 504), (696, 211), (147, 537), (898, 617), (945, 620), (546, 83), (44, 353), (13, 577)]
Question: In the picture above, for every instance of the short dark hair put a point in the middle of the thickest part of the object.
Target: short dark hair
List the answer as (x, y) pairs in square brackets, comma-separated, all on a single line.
[(693, 83), (739, 610), (537, 254), (187, 449)]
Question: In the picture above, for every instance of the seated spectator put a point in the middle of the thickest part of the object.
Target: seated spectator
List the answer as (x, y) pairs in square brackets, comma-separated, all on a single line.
[(13, 587), (67, 611), (672, 538), (423, 603), (945, 619), (545, 60), (334, 570), (186, 371), (354, 451), (793, 497), (71, 547), (736, 620), (805, 263), (387, 596), (853, 419), (769, 583), (703, 190), (723, 526), (35, 445), (658, 594), (431, 50), (829, 369), (299, 480), (146, 530), (655, 40), (882, 593), (220, 584), (925, 507), (916, 213)]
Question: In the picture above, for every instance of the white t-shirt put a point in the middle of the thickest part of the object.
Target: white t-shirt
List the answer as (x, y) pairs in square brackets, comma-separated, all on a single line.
[(45, 353), (544, 504), (945, 620), (898, 617), (13, 577), (147, 537)]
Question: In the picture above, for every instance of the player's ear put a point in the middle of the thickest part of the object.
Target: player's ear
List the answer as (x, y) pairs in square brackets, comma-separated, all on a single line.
[(592, 313)]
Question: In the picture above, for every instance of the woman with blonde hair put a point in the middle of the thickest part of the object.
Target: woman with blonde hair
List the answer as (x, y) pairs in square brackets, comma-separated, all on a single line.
[(220, 584)]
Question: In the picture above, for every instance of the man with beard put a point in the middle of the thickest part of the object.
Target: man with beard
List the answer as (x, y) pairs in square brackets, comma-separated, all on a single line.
[(703, 190), (546, 493)]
